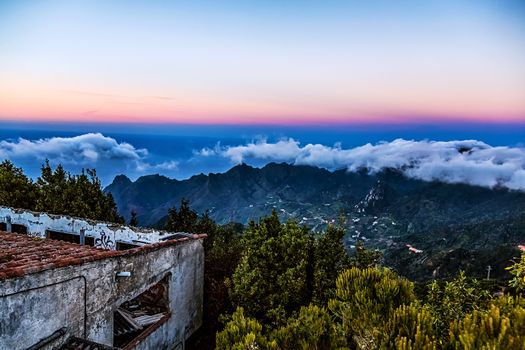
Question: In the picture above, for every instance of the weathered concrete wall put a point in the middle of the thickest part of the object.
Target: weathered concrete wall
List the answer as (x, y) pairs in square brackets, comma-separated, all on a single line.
[(105, 235), (40, 309), (63, 302)]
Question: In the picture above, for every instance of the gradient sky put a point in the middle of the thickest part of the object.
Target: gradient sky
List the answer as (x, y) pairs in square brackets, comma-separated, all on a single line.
[(274, 62)]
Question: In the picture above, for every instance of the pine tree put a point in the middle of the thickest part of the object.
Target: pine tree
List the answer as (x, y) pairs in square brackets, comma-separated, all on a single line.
[(133, 221), (410, 327), (330, 259), (243, 333), (365, 298), (80, 195), (182, 220), (16, 189), (501, 327), (312, 329)]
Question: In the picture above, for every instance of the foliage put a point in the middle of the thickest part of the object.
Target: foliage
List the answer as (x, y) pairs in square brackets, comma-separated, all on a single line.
[(182, 220), (243, 333), (330, 258), (453, 299), (517, 270), (80, 195), (364, 258), (312, 329), (222, 254), (133, 221), (16, 189), (409, 327), (271, 279), (57, 192), (500, 327), (365, 298)]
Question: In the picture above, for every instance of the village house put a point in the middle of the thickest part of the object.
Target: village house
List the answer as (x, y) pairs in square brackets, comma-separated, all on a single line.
[(70, 283)]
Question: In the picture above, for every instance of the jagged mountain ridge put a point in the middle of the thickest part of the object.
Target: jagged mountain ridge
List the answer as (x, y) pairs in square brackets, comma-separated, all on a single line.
[(245, 193), (387, 210)]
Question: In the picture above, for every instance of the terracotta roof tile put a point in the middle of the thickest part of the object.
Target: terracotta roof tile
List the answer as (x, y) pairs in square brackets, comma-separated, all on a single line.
[(22, 254)]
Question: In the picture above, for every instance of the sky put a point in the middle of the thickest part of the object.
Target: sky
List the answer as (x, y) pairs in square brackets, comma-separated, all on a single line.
[(263, 62), (182, 88)]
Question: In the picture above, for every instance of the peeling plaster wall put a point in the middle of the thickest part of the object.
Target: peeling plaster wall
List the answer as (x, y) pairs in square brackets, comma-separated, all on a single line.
[(35, 311), (49, 308), (105, 235)]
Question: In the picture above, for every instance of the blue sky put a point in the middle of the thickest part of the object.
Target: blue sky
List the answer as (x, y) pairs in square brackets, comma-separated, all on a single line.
[(169, 87), (263, 62)]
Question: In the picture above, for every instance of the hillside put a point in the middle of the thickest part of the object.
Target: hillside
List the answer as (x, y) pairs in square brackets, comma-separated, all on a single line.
[(449, 226)]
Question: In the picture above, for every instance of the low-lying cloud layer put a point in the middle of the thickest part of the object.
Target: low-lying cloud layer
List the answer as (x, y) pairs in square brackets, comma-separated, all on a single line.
[(470, 162), (92, 150), (82, 149)]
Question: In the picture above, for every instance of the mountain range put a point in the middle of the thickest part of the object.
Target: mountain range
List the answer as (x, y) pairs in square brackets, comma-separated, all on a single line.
[(424, 229)]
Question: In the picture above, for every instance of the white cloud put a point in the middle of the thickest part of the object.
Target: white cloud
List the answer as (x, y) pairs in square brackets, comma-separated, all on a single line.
[(469, 161), (82, 149), (169, 166), (92, 150)]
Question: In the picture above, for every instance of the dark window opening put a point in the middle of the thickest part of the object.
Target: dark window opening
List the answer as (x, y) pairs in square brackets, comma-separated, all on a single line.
[(69, 237), (138, 317), (61, 236), (89, 241), (3, 226), (19, 229), (125, 246)]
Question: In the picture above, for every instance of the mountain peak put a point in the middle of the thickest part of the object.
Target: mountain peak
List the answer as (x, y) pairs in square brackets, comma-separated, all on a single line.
[(121, 179)]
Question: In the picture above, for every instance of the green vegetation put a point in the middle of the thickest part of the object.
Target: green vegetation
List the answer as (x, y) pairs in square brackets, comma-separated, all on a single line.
[(280, 303), (279, 286), (57, 191), (517, 270), (457, 227), (271, 280), (16, 190), (223, 252), (133, 221)]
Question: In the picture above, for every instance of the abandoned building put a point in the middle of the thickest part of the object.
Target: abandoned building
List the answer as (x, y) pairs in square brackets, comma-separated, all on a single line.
[(69, 283)]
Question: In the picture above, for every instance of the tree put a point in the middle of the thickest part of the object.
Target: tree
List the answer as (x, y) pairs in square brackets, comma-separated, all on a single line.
[(133, 221), (517, 270), (54, 192), (312, 329), (182, 220), (330, 259), (222, 253), (410, 327), (16, 189), (500, 327), (80, 195), (270, 281), (365, 258), (243, 333), (365, 298), (452, 300)]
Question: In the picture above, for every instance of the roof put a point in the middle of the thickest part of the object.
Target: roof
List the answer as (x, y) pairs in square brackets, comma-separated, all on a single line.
[(23, 254)]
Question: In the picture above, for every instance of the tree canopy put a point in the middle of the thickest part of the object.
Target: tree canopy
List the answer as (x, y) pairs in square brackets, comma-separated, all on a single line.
[(57, 191)]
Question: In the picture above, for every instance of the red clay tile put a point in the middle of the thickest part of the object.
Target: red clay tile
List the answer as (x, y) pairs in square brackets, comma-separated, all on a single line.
[(22, 254)]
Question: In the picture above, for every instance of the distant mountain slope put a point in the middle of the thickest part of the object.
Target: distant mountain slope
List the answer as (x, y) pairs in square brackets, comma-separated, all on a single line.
[(242, 193), (387, 210)]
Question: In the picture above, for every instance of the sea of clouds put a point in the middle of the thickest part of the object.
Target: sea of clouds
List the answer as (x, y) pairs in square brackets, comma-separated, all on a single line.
[(468, 161), (92, 150)]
